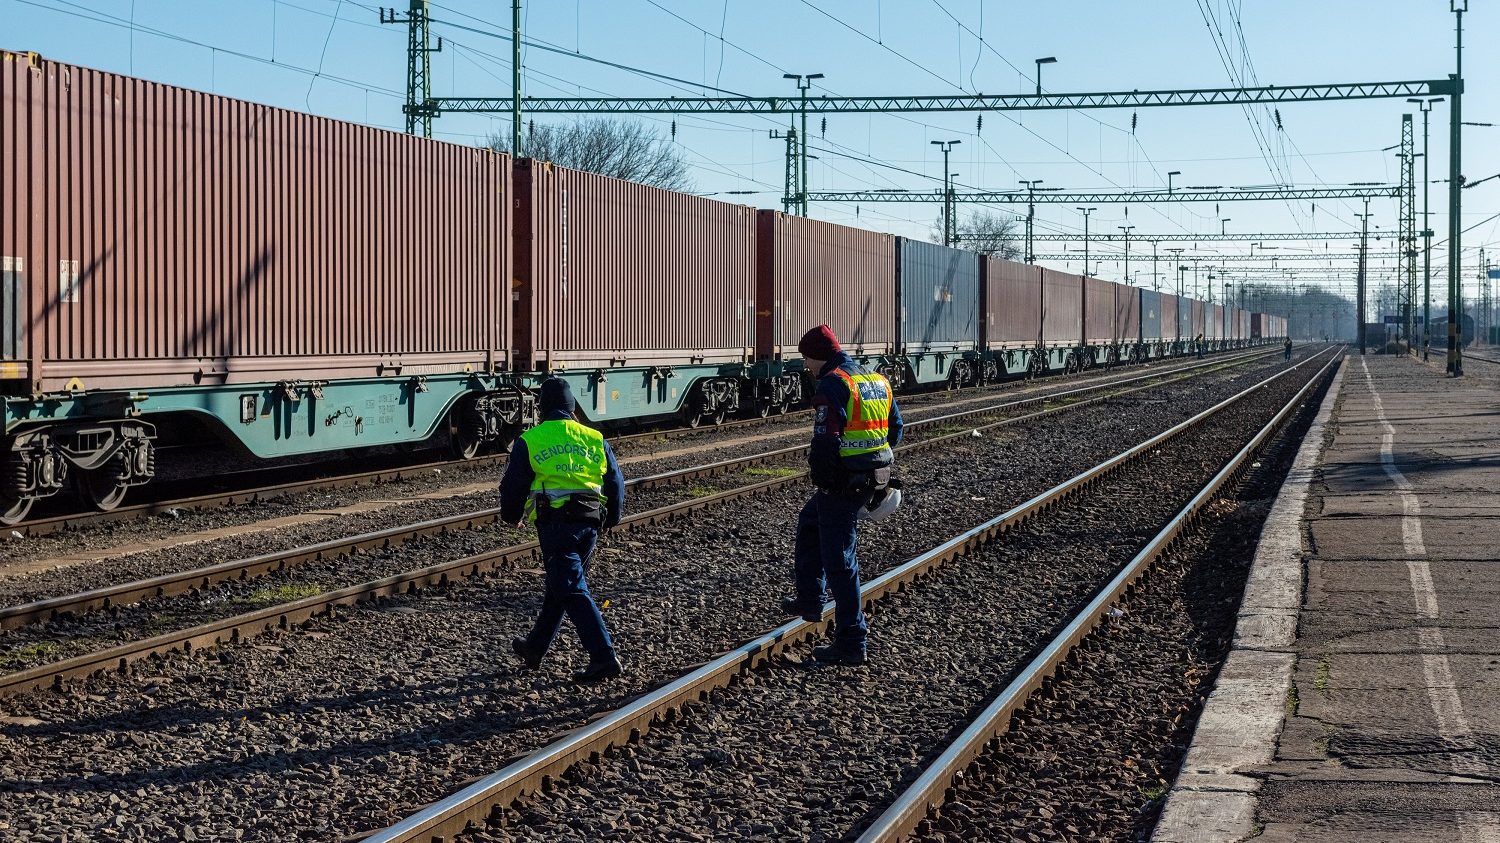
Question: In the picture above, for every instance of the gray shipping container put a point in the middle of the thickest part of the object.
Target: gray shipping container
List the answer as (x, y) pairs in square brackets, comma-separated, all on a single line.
[(1151, 316), (1062, 308), (939, 297), (1012, 304)]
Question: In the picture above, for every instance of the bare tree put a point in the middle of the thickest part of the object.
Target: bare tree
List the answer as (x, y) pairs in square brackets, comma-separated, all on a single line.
[(620, 148), (989, 234)]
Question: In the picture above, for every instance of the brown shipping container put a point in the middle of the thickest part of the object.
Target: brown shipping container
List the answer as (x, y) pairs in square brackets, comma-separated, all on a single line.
[(1062, 308), (1168, 316), (1127, 313), (1098, 311), (1215, 324), (613, 273), (810, 272), (1199, 316), (1012, 304), (173, 237)]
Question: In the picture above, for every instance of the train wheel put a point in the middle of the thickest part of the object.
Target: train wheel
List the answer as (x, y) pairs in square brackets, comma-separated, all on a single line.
[(462, 441), (13, 510), (762, 409), (783, 408), (718, 418), (694, 420), (101, 487)]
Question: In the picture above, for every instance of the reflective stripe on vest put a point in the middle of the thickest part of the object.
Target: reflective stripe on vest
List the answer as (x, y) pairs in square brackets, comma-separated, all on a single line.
[(567, 459), (868, 412)]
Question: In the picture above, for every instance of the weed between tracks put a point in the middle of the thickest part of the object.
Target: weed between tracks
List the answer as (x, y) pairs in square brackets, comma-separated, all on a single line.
[(25, 654), (264, 597), (772, 472)]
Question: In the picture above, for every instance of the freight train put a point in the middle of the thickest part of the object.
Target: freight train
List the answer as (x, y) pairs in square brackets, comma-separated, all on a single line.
[(179, 265)]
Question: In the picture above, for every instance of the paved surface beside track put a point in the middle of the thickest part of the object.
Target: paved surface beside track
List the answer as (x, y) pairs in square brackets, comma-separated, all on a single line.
[(1367, 706)]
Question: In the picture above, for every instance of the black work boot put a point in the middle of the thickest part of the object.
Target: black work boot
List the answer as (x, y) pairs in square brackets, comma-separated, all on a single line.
[(532, 660), (812, 613), (608, 667), (838, 653)]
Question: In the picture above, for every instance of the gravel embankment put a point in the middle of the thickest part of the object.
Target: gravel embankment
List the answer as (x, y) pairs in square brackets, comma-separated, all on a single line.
[(71, 636), (364, 716), (812, 752)]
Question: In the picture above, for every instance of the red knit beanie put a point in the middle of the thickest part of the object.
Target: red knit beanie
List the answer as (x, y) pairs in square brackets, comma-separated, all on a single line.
[(819, 343)]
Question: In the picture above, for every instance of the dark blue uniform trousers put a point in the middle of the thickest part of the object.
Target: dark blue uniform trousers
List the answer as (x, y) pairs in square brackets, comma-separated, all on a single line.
[(825, 554), (566, 548)]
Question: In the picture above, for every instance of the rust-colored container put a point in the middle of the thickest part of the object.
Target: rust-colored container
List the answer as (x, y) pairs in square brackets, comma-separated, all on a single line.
[(1258, 326), (1062, 308), (611, 273), (1169, 322), (1012, 304), (810, 272), (1127, 313), (163, 237), (1099, 311), (1198, 327), (1215, 329)]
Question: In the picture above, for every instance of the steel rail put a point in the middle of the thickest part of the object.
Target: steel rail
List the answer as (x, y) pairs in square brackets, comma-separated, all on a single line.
[(287, 615), (477, 803), (251, 494), (183, 582), (903, 818)]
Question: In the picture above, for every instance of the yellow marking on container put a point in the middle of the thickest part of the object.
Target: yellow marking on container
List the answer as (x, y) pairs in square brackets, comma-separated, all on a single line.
[(73, 385), (10, 370)]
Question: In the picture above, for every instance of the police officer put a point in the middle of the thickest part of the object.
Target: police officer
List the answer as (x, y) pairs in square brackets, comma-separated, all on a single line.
[(855, 425), (562, 476)]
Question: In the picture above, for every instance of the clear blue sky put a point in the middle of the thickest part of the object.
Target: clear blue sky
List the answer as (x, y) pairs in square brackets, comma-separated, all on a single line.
[(271, 51)]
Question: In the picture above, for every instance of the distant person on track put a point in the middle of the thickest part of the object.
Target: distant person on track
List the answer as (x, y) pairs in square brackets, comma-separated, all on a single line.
[(562, 476), (855, 425), (1286, 347), (1198, 343)]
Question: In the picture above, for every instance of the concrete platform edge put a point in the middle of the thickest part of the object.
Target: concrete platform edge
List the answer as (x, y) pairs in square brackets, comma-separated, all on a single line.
[(1243, 717)]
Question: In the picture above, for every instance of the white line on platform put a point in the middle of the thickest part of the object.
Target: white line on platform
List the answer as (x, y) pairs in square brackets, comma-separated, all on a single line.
[(1452, 724)]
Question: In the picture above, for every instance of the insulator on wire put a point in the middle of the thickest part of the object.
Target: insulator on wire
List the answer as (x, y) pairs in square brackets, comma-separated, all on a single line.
[(1277, 112), (674, 130), (1134, 116), (978, 124), (824, 129)]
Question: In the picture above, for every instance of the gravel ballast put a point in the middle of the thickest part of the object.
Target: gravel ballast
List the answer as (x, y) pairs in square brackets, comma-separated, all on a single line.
[(813, 752), (368, 714)]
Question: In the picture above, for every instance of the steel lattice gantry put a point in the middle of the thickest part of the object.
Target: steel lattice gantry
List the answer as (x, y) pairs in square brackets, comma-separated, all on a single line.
[(962, 102), (1081, 198), (1268, 259), (1192, 238)]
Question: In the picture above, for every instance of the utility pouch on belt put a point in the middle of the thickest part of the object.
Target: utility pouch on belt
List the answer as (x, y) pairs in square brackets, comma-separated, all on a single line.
[(869, 484), (575, 508)]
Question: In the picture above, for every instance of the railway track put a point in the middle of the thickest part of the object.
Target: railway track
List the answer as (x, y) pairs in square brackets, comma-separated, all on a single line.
[(285, 614), (264, 484), (481, 806)]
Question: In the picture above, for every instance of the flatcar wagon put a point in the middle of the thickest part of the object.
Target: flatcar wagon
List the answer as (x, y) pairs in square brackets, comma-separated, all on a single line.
[(182, 264)]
